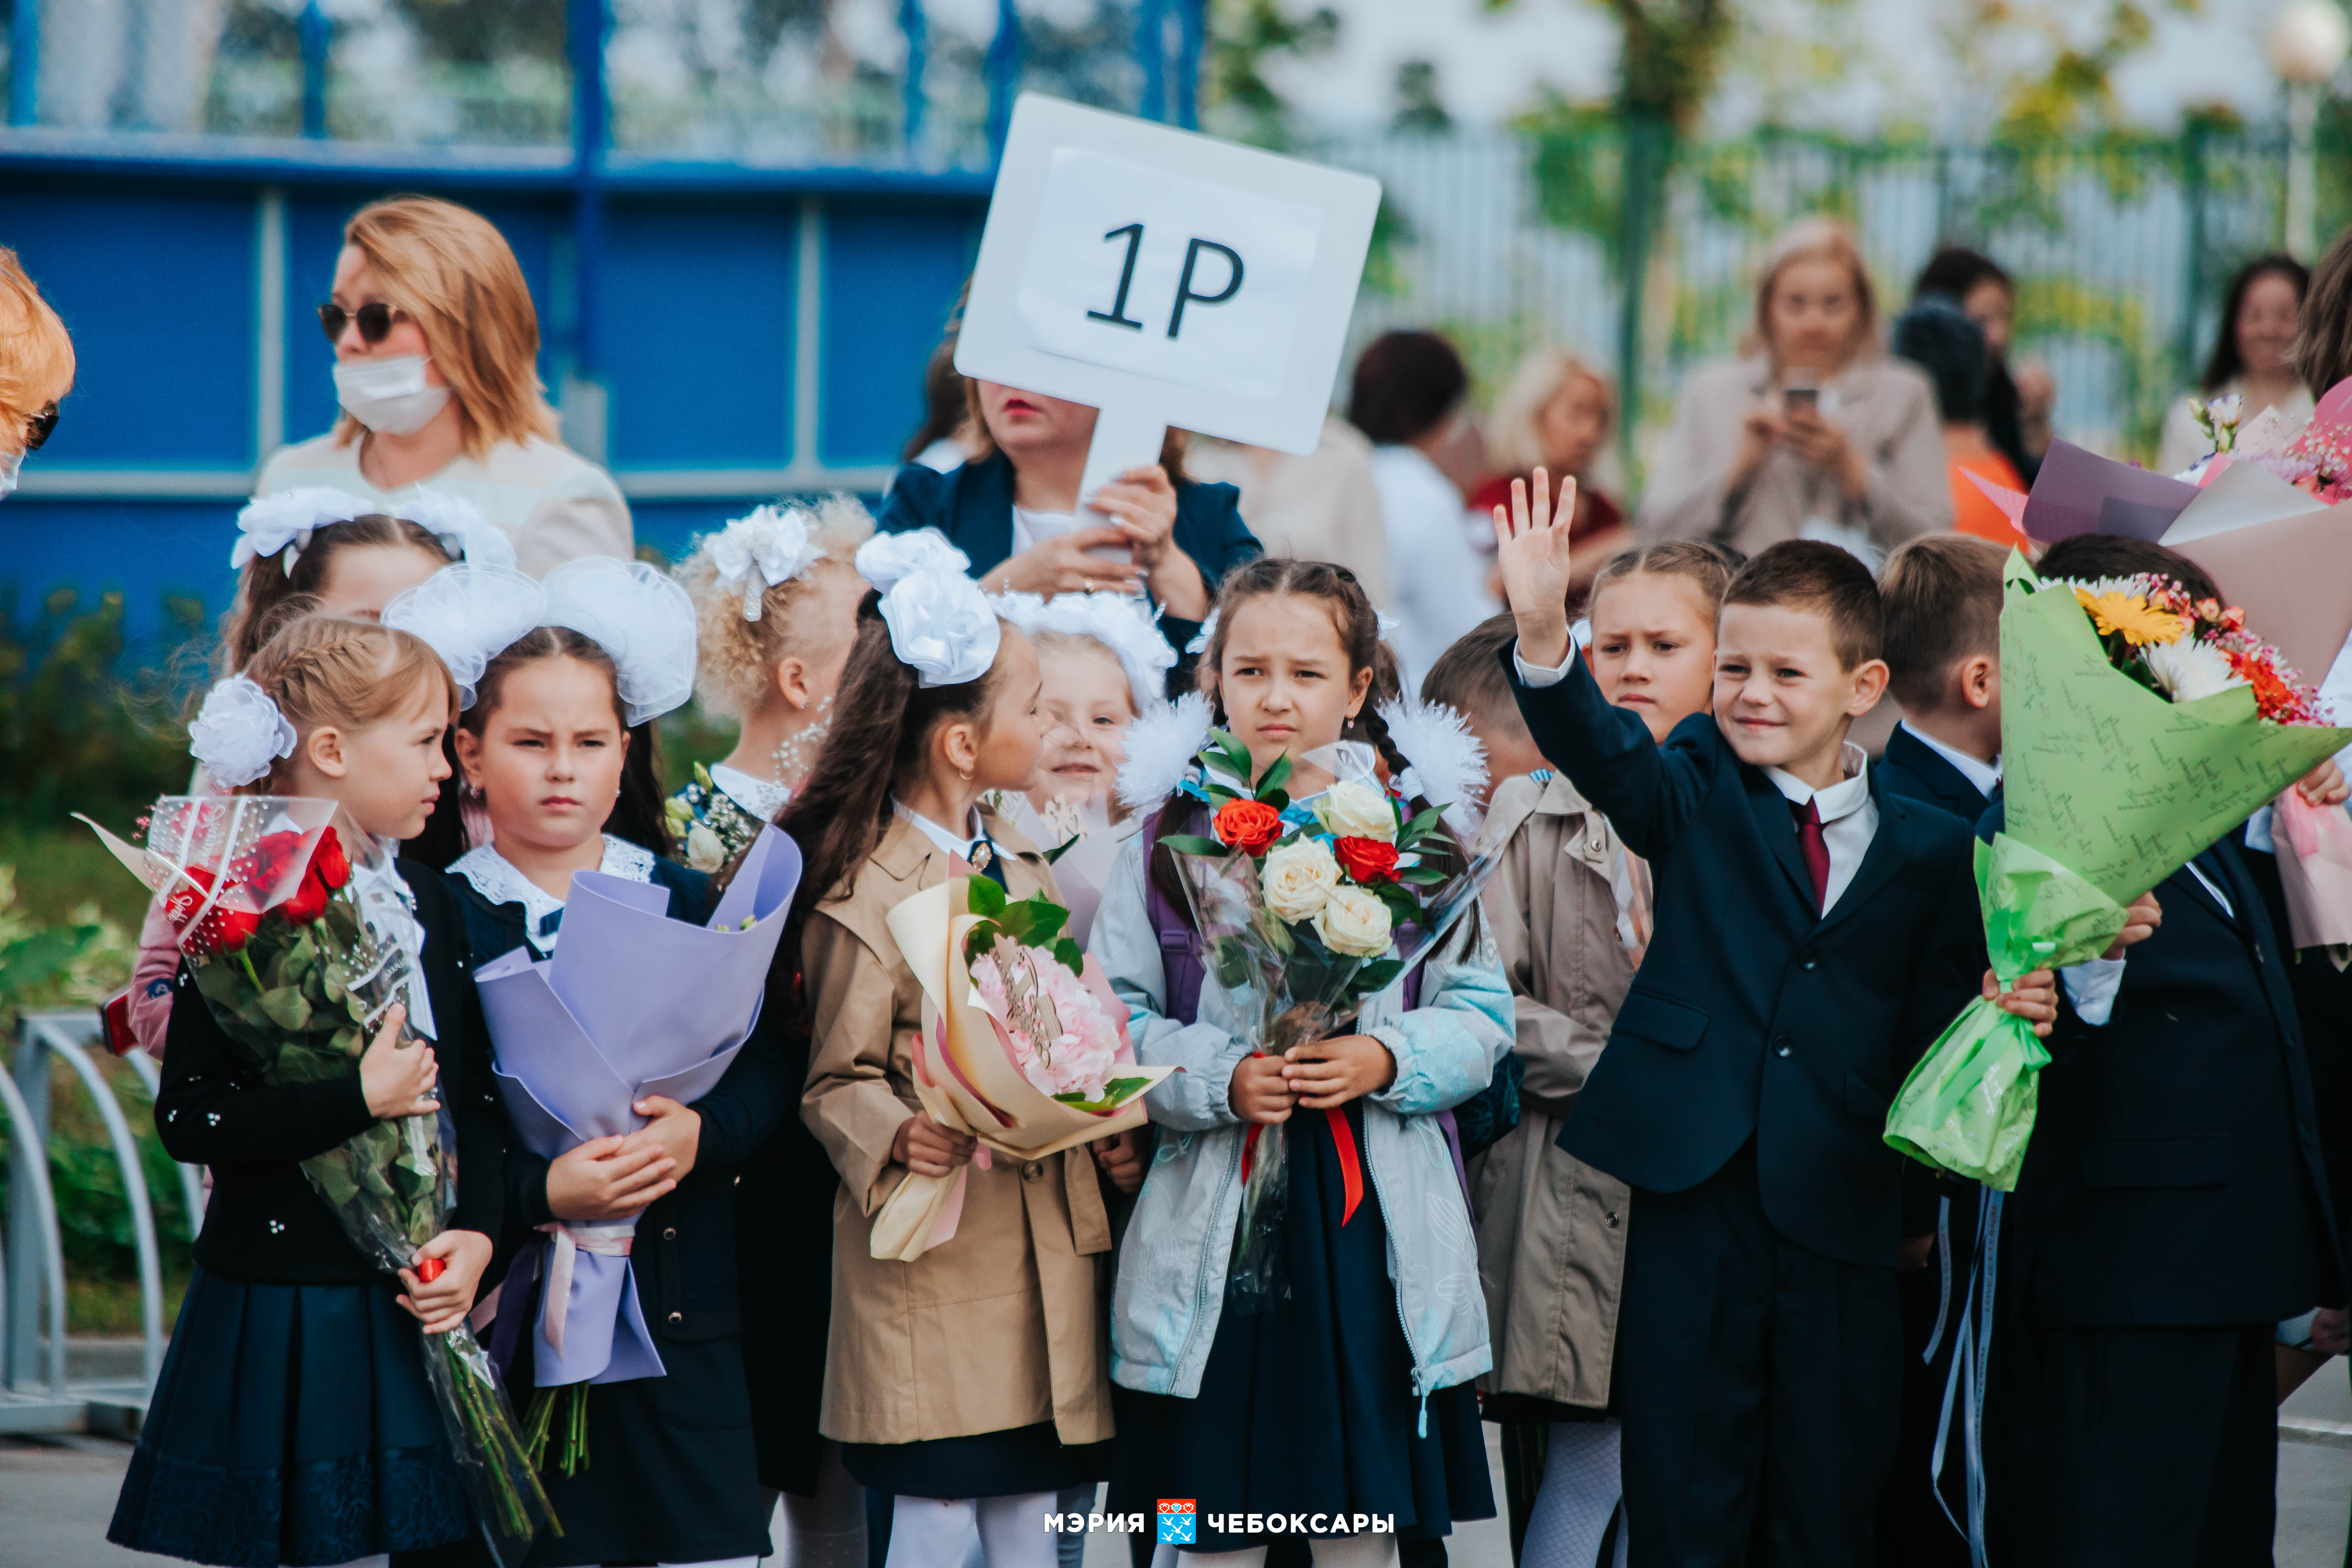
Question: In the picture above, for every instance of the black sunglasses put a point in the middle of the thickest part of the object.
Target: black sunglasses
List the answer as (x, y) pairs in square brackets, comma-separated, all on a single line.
[(374, 319), (38, 428)]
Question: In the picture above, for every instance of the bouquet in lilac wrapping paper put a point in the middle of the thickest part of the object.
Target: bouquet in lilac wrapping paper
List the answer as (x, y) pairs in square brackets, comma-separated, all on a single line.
[(632, 1003)]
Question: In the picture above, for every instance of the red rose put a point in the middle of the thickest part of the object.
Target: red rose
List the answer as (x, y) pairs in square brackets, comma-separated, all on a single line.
[(309, 899), (187, 896), (1366, 859), (1248, 826), (270, 864), (332, 866), (224, 930)]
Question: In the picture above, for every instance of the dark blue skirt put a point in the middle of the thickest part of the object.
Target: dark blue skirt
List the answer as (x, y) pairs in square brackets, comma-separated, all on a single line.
[(292, 1424), (1307, 1406)]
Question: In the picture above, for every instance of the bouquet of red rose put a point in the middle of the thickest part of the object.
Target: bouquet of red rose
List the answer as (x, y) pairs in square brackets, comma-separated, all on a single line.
[(300, 936), (1306, 910)]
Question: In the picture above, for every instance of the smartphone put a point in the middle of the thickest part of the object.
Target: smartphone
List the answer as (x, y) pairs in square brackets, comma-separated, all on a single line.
[(1800, 391)]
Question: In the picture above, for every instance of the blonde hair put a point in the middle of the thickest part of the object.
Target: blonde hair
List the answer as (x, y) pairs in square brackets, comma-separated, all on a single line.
[(1080, 645), (1815, 238), (324, 669), (735, 660), (37, 357), (452, 273), (1512, 442)]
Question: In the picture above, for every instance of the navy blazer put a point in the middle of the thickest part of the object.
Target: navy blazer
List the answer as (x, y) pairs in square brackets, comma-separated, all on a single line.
[(2176, 1177), (1753, 1015), (1912, 769), (972, 505)]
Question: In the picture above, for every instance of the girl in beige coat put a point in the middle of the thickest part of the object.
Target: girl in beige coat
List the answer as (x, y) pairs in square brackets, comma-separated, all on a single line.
[(971, 1382), (1569, 910)]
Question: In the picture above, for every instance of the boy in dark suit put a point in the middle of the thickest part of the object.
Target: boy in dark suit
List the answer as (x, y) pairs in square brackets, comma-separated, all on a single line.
[(2172, 1213), (1813, 933)]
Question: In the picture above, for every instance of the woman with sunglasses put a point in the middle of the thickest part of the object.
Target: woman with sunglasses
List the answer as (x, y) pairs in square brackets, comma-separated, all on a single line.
[(36, 368), (436, 349)]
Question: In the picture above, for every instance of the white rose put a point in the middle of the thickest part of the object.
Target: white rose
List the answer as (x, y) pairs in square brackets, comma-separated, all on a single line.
[(1357, 811), (1298, 878), (1353, 922), (704, 852)]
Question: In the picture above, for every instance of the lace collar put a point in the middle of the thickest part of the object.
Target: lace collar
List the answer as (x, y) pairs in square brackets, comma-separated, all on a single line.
[(496, 879), (759, 798)]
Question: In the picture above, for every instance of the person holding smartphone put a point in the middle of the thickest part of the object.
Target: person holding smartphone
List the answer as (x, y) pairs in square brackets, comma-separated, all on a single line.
[(1815, 433)]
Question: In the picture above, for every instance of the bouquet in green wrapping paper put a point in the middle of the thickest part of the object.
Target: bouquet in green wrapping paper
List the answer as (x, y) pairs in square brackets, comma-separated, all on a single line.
[(2137, 727)]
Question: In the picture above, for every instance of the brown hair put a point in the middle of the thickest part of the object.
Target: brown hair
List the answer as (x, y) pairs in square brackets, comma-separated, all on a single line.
[(37, 357), (1814, 578), (1815, 238), (736, 659), (324, 670), (266, 590), (450, 270), (1468, 676), (638, 814), (1171, 445), (2323, 349), (2090, 557), (2228, 362), (1939, 600), (1708, 564)]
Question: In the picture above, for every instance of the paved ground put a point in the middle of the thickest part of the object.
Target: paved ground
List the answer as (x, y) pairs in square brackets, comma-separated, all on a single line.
[(55, 1495)]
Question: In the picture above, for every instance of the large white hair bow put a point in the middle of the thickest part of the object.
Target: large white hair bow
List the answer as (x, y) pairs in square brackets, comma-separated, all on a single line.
[(769, 546), (887, 558), (637, 615), (283, 523), (942, 626), (1117, 621), (239, 732), (461, 527), (469, 614)]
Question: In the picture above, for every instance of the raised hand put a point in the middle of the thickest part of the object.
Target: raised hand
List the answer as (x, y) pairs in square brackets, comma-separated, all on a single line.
[(1531, 554)]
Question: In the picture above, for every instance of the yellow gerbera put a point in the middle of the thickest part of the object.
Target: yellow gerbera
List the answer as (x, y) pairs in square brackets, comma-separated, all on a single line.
[(2140, 622)]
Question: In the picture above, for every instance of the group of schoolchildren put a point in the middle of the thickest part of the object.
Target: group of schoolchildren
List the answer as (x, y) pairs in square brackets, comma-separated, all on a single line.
[(1691, 1279)]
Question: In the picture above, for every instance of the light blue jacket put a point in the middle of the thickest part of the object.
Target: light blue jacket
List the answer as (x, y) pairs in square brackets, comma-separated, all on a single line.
[(1171, 1268)]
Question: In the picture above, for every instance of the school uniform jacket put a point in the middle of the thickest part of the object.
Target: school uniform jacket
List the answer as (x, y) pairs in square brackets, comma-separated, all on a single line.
[(1753, 1016), (1912, 769)]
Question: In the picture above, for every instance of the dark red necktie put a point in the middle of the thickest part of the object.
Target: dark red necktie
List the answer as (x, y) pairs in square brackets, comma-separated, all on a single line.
[(1814, 848)]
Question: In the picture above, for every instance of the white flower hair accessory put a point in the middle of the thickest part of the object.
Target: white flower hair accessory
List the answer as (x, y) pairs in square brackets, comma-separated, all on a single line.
[(460, 525), (637, 614), (239, 732), (887, 559), (1113, 620), (1161, 747), (941, 624), (282, 524), (1200, 643), (1445, 763), (762, 549), (469, 614)]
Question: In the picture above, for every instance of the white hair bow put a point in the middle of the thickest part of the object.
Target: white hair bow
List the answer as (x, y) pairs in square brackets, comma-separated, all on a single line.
[(469, 614), (942, 626), (637, 615), (461, 527), (239, 732), (769, 546), (284, 522), (887, 558), (1116, 621)]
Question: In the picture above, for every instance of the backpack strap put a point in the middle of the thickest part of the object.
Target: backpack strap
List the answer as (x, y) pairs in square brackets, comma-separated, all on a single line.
[(1182, 969)]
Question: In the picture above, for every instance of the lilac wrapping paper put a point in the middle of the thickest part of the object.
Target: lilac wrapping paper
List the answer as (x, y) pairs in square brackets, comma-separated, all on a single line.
[(632, 1003)]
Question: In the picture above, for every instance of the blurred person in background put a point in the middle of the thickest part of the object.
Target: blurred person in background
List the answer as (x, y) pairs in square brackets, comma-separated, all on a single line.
[(2018, 404), (2323, 350), (1936, 337), (1321, 506), (1407, 396), (1558, 414), (436, 368), (37, 369), (944, 440), (1815, 433), (2253, 357)]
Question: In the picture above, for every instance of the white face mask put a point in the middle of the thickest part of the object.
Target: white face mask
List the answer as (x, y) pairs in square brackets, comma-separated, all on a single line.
[(389, 395), (11, 463)]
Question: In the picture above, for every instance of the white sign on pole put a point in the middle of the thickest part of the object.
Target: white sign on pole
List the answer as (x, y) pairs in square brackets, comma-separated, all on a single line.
[(1164, 278)]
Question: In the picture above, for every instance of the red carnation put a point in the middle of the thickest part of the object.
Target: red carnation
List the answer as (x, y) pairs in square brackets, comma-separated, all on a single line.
[(332, 866), (1248, 826), (1366, 859)]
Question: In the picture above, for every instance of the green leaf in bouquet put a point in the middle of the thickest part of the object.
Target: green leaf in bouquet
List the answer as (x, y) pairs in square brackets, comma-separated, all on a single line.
[(346, 1042), (1116, 1093), (335, 1174), (1377, 977), (1054, 855), (286, 1006), (1400, 903), (1278, 800), (983, 897), (1194, 844), (1277, 774), (1070, 955), (1229, 959), (1421, 826), (1422, 875)]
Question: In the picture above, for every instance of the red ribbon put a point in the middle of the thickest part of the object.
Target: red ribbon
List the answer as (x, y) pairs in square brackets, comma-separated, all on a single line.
[(1351, 1164)]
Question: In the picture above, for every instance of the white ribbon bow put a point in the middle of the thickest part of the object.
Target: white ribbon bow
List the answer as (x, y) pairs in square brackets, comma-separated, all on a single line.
[(239, 732), (284, 522), (763, 549)]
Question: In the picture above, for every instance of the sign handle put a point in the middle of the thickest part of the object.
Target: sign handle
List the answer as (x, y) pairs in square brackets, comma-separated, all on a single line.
[(1123, 439)]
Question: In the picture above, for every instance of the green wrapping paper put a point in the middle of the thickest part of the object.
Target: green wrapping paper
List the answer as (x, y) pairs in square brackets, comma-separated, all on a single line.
[(2108, 789)]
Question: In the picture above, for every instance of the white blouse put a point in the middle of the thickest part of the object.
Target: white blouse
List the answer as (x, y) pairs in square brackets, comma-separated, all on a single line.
[(496, 879)]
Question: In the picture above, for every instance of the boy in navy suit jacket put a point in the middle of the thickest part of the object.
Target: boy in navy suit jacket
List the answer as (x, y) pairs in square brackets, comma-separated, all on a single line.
[(1814, 933)]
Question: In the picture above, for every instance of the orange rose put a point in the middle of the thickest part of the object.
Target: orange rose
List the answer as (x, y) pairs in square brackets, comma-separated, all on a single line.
[(1248, 826)]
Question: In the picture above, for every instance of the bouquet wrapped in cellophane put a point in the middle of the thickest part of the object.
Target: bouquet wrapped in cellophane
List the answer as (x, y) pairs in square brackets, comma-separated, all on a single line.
[(1023, 1044), (2137, 727), (1306, 912), (301, 937)]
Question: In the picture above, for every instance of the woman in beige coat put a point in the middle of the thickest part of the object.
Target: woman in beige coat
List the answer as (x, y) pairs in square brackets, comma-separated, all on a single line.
[(1815, 434), (971, 1382)]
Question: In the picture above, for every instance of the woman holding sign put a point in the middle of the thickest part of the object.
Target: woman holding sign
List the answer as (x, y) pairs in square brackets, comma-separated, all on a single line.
[(1014, 511)]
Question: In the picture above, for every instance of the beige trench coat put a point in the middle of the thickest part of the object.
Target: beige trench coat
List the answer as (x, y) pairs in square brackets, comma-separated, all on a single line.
[(1004, 1324), (1552, 1230)]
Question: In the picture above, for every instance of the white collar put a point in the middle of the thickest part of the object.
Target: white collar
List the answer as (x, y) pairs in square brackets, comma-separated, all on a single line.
[(962, 848), (760, 798), (1981, 775), (496, 879), (1841, 799)]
